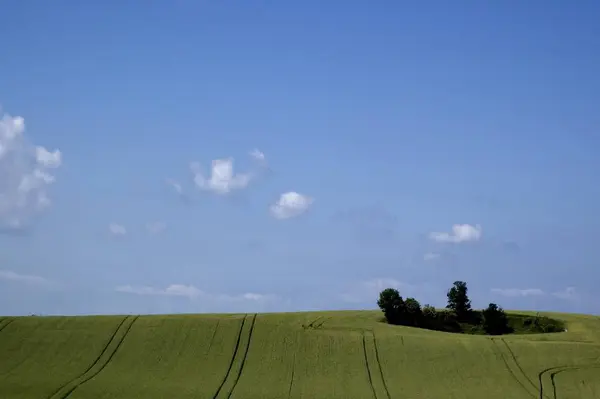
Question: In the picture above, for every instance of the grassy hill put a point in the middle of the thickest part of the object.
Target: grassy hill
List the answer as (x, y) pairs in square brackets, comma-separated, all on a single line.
[(347, 354)]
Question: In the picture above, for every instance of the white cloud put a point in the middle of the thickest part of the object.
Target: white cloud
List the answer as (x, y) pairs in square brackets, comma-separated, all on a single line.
[(254, 297), (568, 293), (258, 156), (290, 204), (24, 174), (156, 227), (117, 229), (516, 292), (188, 291), (8, 275), (175, 185), (222, 179), (47, 158), (191, 292), (431, 256), (370, 289), (460, 233)]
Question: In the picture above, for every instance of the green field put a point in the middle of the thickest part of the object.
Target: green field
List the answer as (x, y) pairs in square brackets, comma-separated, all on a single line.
[(346, 354)]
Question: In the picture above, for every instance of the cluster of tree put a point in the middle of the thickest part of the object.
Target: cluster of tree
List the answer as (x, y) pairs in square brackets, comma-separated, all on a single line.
[(492, 320)]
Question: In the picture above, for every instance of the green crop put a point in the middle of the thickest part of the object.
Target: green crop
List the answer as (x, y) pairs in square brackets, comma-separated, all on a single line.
[(346, 355)]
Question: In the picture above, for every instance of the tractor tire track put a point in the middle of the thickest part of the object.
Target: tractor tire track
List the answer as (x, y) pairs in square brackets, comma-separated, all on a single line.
[(387, 392), (5, 322), (569, 368), (514, 358), (312, 323), (112, 337), (371, 355), (237, 378), (292, 378), (497, 349), (321, 322), (541, 375), (212, 338), (23, 359), (364, 346), (233, 356), (557, 370), (67, 389)]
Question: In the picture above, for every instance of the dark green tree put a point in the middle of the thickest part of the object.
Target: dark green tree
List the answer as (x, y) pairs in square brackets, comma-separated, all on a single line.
[(413, 311), (392, 305), (459, 301), (430, 317), (429, 312), (495, 321)]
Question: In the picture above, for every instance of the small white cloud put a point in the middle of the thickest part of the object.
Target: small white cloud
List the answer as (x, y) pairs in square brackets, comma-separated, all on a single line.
[(24, 174), (183, 290), (258, 155), (567, 294), (188, 291), (253, 297), (156, 227), (460, 233), (517, 292), (247, 297), (175, 185), (370, 289), (431, 256), (222, 179), (290, 204), (117, 229), (378, 284), (8, 275), (191, 292)]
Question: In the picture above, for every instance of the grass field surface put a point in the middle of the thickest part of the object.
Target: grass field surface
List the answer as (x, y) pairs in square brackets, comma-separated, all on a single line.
[(346, 354)]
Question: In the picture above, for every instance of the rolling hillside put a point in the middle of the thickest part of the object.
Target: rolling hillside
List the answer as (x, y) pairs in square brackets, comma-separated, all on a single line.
[(349, 354)]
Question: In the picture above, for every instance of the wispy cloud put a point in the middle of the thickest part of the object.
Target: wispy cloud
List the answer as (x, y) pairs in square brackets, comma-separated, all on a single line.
[(191, 292), (116, 229), (370, 289), (258, 156), (367, 291), (290, 204), (431, 256), (517, 292), (8, 275), (175, 185), (156, 227), (24, 174), (568, 293), (188, 291), (460, 233)]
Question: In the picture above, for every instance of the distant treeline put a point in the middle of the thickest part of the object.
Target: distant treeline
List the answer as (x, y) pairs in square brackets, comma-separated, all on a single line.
[(459, 317)]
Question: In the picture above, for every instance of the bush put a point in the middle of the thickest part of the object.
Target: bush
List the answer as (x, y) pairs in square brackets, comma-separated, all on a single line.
[(543, 324), (429, 312), (495, 321)]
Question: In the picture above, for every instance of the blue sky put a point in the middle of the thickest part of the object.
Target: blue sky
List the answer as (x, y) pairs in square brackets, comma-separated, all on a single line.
[(404, 145)]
